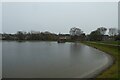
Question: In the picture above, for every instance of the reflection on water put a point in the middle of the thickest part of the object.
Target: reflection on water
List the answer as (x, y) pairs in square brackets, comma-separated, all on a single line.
[(48, 59), (75, 47), (75, 50)]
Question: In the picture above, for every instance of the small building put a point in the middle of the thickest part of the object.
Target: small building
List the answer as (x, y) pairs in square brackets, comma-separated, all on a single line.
[(107, 38), (62, 38)]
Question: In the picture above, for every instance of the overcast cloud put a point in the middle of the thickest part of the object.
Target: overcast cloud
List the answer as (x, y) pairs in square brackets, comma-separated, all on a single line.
[(58, 17)]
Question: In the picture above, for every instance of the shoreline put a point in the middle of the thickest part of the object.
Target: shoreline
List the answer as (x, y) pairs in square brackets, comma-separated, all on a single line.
[(97, 72), (106, 66), (112, 70), (112, 62)]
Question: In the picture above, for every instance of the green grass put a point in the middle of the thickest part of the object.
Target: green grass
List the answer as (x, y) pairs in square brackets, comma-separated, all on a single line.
[(110, 42), (113, 71)]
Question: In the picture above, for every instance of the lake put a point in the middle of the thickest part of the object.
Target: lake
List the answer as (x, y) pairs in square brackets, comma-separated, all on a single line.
[(0, 59), (44, 59)]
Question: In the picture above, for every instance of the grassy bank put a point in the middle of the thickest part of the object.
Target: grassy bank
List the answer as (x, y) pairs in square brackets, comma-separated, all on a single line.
[(110, 42), (111, 72)]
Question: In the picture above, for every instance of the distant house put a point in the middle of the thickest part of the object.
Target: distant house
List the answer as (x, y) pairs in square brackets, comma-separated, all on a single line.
[(108, 38), (46, 32), (104, 38), (64, 36), (35, 32), (62, 39)]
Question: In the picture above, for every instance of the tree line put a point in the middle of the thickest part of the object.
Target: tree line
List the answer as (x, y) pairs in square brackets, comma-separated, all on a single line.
[(20, 35), (75, 34), (99, 34)]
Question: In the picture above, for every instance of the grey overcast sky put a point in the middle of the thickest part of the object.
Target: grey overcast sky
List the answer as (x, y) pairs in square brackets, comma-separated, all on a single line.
[(58, 17)]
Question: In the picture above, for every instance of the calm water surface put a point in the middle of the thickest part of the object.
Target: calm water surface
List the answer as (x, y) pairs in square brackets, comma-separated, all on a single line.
[(49, 60), (0, 59)]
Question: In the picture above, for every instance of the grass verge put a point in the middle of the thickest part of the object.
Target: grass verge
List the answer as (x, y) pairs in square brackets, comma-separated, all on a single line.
[(110, 42), (113, 71)]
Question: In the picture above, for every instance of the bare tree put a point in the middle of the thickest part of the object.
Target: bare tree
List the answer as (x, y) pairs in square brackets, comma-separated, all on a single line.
[(75, 31), (113, 31), (102, 30)]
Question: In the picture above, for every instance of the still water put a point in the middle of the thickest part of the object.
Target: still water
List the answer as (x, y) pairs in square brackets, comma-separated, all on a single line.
[(50, 60), (0, 59)]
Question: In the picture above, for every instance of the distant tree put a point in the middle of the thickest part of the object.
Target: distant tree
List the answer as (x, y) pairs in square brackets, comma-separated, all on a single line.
[(113, 31), (33, 35), (20, 35), (102, 30), (75, 31), (76, 34), (95, 36)]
